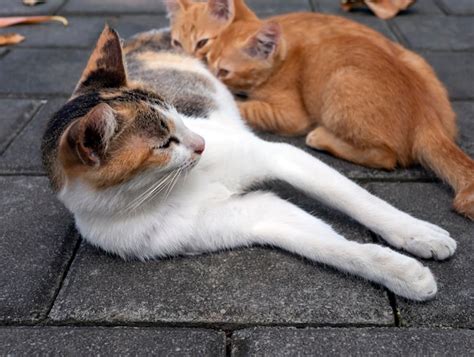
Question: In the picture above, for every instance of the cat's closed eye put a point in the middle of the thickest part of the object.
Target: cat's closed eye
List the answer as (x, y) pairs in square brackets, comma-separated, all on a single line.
[(201, 43), (167, 143), (176, 43)]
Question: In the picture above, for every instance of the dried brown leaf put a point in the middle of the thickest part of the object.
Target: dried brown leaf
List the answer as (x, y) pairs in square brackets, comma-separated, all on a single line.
[(385, 9), (33, 2), (10, 21), (10, 39)]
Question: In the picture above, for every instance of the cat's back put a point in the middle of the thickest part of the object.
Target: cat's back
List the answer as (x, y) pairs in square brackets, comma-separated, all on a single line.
[(313, 28)]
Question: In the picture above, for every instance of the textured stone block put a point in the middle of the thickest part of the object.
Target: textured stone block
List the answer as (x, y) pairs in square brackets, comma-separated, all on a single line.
[(42, 71), (35, 246), (351, 342), (453, 306), (110, 341)]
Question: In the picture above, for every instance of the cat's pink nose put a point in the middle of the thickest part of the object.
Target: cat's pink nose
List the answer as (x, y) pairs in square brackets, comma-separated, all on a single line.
[(197, 144)]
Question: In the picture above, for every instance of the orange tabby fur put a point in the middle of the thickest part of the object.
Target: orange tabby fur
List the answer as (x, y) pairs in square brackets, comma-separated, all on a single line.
[(353, 92)]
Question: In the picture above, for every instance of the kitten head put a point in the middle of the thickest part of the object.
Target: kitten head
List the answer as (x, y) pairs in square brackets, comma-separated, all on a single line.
[(246, 54), (113, 131), (195, 25)]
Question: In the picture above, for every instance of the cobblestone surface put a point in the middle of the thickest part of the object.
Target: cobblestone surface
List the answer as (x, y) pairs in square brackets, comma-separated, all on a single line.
[(238, 303)]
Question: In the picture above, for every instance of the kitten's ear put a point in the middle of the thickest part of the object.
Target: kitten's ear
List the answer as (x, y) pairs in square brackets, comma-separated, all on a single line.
[(90, 136), (105, 68), (175, 6), (264, 43), (222, 10)]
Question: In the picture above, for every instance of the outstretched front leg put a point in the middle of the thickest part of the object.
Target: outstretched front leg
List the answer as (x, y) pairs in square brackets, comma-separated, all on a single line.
[(263, 218), (320, 181)]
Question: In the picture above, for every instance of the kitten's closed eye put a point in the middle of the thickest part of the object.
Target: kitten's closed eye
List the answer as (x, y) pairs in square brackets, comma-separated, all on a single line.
[(176, 43), (202, 43), (222, 73)]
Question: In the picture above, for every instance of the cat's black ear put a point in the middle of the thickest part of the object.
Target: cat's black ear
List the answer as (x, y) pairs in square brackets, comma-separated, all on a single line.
[(264, 43), (90, 136), (105, 68), (222, 10), (175, 6)]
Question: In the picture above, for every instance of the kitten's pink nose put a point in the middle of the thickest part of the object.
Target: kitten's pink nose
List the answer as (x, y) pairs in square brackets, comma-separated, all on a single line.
[(197, 144)]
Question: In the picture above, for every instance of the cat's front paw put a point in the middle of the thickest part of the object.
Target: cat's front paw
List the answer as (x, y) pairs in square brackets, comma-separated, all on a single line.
[(416, 283), (424, 240)]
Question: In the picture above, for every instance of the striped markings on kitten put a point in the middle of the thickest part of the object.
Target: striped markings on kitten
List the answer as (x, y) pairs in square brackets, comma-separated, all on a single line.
[(132, 170)]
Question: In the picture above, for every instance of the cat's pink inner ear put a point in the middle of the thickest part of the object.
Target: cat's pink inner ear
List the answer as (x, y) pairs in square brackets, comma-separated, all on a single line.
[(264, 43), (105, 68), (90, 136), (222, 10)]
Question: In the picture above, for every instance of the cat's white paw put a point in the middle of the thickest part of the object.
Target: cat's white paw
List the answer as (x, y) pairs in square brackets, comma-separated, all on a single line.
[(424, 240), (414, 282)]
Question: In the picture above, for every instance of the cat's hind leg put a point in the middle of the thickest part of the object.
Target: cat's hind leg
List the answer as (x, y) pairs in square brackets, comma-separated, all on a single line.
[(322, 139), (263, 218)]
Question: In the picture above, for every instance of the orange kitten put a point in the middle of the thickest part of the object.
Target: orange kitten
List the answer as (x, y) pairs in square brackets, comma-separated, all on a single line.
[(353, 92)]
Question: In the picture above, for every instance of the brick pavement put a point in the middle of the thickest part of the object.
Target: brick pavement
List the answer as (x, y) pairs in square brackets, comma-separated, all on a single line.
[(59, 295)]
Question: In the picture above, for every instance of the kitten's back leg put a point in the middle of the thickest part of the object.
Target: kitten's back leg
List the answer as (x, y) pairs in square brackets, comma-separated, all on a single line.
[(322, 139), (262, 218)]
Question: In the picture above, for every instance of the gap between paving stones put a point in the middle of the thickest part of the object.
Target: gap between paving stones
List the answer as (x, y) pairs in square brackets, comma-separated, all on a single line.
[(25, 124)]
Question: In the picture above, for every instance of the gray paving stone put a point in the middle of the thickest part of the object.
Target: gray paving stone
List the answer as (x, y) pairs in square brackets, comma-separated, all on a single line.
[(458, 7), (454, 304), (81, 32), (274, 7), (14, 8), (352, 342), (465, 113), (130, 25), (113, 7), (110, 341), (456, 70), (14, 115), (246, 286), (420, 7), (23, 156), (35, 247), (42, 71), (437, 32)]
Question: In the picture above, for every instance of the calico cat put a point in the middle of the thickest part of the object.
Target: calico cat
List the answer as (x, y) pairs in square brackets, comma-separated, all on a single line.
[(356, 94), (151, 156)]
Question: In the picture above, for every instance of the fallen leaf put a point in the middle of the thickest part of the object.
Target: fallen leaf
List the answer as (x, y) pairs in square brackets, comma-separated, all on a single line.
[(10, 39), (9, 21), (385, 9), (33, 2)]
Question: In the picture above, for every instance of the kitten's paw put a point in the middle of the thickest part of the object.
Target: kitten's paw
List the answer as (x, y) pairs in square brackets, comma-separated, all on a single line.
[(316, 139), (424, 240), (464, 202), (414, 282)]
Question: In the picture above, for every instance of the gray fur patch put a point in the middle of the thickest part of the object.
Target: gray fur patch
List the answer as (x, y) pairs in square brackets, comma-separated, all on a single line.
[(190, 93)]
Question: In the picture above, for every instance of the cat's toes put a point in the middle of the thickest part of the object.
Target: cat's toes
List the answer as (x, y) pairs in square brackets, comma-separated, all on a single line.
[(425, 240), (437, 246), (423, 286), (417, 283)]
